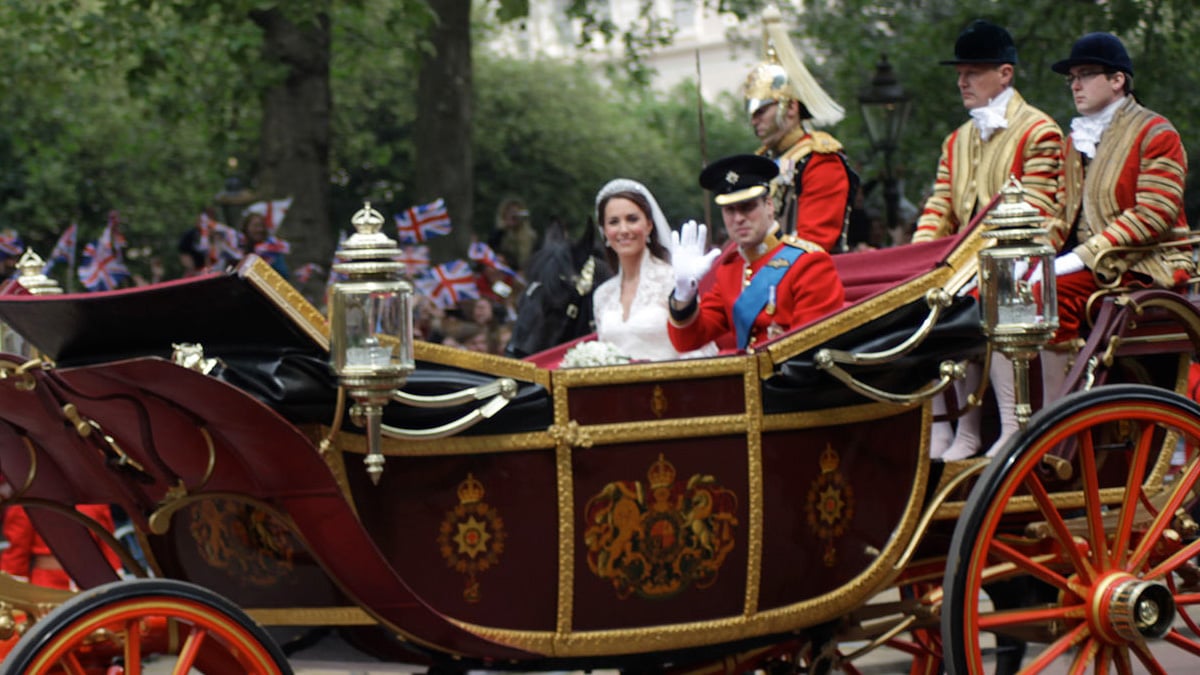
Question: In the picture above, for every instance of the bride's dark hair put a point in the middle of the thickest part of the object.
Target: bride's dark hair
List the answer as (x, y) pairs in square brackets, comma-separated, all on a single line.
[(658, 249)]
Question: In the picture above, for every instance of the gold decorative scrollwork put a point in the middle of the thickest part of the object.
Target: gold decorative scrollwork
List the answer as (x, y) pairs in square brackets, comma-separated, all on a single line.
[(571, 434)]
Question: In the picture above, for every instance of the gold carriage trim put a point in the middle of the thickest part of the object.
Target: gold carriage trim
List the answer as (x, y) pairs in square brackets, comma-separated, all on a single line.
[(661, 544), (471, 537)]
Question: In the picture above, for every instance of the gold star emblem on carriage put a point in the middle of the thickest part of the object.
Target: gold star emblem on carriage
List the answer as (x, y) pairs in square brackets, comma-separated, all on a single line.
[(830, 505), (472, 537)]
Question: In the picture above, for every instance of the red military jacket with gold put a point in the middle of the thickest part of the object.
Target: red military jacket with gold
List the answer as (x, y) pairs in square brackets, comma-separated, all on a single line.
[(1130, 195), (971, 171), (813, 189), (808, 290)]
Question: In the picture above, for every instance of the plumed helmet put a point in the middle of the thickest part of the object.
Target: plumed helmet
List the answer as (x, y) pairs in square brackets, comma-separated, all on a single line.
[(1102, 49), (782, 77)]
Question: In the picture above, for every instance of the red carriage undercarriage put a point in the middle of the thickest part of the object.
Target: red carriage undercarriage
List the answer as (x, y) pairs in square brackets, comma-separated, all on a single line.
[(723, 514)]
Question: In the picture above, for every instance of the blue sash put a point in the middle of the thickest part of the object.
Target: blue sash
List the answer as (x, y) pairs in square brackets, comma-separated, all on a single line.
[(755, 296)]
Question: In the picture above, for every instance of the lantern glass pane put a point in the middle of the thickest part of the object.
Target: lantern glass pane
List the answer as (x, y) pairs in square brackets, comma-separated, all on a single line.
[(1011, 304), (368, 320)]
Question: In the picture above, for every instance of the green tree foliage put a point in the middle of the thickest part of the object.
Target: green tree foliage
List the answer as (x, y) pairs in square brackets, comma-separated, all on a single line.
[(850, 35)]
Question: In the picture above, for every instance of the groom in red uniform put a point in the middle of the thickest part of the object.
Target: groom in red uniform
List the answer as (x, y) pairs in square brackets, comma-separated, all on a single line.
[(769, 285)]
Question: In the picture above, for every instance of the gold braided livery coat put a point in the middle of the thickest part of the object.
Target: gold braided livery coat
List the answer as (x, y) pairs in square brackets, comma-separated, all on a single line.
[(1131, 195), (971, 171)]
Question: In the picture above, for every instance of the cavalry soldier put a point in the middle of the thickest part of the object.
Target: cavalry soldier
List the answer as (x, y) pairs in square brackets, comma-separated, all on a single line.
[(771, 283), (1123, 185), (1005, 136), (815, 187)]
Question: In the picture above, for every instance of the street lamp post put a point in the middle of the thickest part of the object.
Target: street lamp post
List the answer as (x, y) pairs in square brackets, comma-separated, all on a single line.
[(885, 106)]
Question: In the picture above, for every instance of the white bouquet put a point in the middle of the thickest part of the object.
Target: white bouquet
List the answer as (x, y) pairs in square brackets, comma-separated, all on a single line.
[(593, 353)]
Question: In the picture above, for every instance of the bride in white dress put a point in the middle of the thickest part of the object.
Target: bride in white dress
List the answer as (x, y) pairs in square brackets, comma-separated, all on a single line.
[(631, 307)]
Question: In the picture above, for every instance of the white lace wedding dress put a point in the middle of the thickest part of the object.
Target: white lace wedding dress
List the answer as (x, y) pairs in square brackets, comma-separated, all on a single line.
[(643, 336)]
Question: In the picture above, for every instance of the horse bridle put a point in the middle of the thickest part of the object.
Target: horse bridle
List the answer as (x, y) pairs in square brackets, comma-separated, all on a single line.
[(583, 285)]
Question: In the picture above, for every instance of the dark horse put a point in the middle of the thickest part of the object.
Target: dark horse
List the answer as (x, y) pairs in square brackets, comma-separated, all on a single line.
[(557, 304)]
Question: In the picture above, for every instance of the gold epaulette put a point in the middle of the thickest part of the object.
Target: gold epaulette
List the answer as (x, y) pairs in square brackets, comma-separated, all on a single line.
[(793, 240), (818, 142), (825, 143)]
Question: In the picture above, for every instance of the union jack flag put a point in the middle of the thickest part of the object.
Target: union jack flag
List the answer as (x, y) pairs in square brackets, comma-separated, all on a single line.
[(415, 258), (272, 245), (449, 283), (482, 253), (419, 224), (220, 244), (103, 268), (307, 271), (64, 249), (273, 212), (10, 243)]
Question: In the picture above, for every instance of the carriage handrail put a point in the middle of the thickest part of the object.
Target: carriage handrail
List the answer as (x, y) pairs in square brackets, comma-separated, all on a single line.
[(948, 372), (498, 386), (937, 299), (505, 390)]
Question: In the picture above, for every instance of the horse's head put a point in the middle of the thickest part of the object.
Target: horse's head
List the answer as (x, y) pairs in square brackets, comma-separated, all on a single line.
[(557, 304)]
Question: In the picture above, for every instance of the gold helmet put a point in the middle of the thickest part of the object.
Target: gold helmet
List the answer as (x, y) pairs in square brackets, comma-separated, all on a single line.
[(782, 77)]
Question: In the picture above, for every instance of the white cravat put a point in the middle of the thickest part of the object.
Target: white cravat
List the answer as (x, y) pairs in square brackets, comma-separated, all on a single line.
[(990, 118), (1087, 129)]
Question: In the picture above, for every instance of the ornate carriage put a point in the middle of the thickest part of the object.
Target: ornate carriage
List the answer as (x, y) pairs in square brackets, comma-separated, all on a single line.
[(731, 513)]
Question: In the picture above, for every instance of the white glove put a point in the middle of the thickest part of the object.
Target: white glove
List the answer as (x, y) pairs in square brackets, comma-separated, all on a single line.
[(689, 260), (1067, 264)]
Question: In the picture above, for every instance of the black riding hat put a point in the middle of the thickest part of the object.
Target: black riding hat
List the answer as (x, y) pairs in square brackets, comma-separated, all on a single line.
[(1102, 49), (983, 42)]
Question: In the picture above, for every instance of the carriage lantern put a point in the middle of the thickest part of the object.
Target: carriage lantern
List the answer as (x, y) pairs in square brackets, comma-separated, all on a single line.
[(371, 326), (1019, 317)]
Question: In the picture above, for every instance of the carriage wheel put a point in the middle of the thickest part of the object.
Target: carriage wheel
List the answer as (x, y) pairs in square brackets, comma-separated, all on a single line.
[(126, 622), (1104, 559)]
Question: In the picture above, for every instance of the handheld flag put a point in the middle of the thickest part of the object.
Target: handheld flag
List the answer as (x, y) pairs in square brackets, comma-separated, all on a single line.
[(482, 253), (64, 249), (415, 259), (273, 212), (10, 243), (419, 224), (307, 271), (103, 268), (449, 283)]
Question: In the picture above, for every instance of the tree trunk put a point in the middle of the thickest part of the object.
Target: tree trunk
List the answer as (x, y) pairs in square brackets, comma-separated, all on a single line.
[(294, 147), (444, 160)]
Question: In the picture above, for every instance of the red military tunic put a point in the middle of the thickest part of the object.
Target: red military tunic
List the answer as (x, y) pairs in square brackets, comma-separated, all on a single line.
[(28, 556), (812, 191), (810, 289), (1131, 194), (971, 171)]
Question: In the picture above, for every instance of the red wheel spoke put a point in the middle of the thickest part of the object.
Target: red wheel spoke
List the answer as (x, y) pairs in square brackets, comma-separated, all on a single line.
[(1106, 654), (1054, 518), (190, 651), (1187, 599), (1083, 657), (1057, 648), (1181, 489), (71, 664), (1121, 659), (1015, 617), (1183, 642), (1175, 560), (1147, 659), (1091, 496), (1037, 569), (1133, 488), (133, 648)]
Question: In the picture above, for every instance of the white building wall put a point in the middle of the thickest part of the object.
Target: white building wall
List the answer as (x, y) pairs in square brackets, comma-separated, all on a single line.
[(723, 64)]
